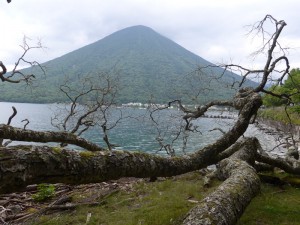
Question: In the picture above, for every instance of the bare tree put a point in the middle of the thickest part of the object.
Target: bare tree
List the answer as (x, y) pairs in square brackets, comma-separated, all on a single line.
[(17, 75), (89, 106), (169, 128)]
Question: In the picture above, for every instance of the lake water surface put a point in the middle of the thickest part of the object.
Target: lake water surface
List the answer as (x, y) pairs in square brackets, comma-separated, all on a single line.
[(134, 132)]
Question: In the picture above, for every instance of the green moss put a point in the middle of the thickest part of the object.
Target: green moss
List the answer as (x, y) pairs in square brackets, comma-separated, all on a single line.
[(293, 180), (86, 154), (56, 150)]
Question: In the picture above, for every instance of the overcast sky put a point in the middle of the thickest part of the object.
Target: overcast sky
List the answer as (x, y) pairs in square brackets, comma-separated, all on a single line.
[(212, 29)]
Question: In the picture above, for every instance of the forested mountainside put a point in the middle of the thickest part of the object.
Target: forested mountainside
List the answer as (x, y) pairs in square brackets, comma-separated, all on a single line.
[(147, 64)]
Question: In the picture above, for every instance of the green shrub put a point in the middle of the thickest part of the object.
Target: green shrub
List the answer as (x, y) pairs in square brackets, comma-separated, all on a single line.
[(45, 191)]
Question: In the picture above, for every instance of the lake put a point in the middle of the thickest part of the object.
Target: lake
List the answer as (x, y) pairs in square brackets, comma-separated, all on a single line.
[(136, 131)]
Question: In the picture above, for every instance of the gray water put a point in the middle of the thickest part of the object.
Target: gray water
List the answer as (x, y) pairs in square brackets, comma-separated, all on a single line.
[(136, 131)]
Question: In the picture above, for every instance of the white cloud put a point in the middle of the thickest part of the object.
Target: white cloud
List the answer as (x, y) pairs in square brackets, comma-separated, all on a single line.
[(212, 29)]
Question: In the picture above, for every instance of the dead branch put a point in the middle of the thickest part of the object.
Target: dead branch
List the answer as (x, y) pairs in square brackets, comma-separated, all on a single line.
[(25, 125), (16, 75), (8, 123), (89, 106), (219, 129), (169, 131), (270, 42), (12, 116)]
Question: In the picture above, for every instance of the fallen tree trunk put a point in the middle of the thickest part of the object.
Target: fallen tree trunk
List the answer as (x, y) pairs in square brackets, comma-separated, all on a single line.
[(20, 166), (225, 205), (24, 165)]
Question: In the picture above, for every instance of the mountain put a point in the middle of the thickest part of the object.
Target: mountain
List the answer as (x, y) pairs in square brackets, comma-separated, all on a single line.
[(148, 64)]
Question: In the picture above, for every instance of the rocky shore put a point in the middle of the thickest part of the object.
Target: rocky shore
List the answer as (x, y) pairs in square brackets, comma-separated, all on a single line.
[(286, 136)]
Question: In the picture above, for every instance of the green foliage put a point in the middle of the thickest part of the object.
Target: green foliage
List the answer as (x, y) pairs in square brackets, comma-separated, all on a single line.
[(295, 109), (291, 87), (45, 191), (269, 100), (291, 115), (293, 80)]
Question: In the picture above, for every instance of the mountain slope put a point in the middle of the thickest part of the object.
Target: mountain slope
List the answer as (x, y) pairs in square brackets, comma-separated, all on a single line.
[(148, 64)]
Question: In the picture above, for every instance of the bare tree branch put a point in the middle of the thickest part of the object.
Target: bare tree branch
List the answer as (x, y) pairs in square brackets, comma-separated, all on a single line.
[(12, 116), (8, 123), (90, 106), (16, 75), (25, 125)]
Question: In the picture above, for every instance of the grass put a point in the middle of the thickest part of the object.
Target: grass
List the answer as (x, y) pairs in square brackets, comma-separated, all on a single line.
[(279, 114), (167, 201), (273, 206), (161, 202)]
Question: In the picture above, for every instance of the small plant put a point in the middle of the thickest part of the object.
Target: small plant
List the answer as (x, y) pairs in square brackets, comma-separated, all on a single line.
[(45, 191)]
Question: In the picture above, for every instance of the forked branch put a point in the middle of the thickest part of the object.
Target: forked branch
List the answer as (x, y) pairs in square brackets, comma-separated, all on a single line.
[(16, 75)]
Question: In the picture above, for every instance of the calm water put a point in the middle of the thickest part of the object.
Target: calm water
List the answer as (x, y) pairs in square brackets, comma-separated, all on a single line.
[(136, 131)]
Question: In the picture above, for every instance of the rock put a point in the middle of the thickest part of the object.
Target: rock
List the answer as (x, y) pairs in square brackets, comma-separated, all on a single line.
[(292, 152), (15, 209)]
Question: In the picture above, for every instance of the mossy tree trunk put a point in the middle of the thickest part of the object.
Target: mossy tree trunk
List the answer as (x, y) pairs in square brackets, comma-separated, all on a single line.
[(226, 204), (19, 167), (18, 134)]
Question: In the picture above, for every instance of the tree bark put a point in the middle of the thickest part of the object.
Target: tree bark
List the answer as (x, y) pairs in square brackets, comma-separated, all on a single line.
[(288, 165), (18, 134), (225, 205), (24, 165)]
